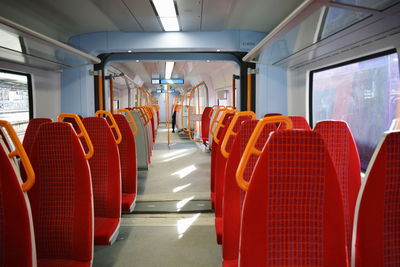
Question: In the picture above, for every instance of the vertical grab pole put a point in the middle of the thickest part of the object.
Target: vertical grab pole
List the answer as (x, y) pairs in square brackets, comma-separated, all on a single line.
[(248, 89), (100, 88), (111, 94), (167, 113)]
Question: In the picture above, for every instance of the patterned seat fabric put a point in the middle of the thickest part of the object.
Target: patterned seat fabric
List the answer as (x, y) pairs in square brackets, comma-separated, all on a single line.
[(299, 123), (205, 123), (127, 154), (61, 198), (376, 233), (233, 195), (73, 123), (17, 242), (31, 132), (106, 180), (214, 153), (343, 151), (292, 214), (221, 162)]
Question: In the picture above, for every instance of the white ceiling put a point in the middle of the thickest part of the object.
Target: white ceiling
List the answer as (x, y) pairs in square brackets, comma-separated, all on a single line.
[(62, 19), (191, 70)]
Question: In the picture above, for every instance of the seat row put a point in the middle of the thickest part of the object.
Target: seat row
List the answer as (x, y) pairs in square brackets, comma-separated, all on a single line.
[(286, 195), (84, 178)]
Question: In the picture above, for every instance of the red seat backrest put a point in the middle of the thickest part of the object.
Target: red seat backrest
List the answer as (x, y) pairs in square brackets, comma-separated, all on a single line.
[(3, 136), (376, 221), (233, 195), (205, 123), (127, 153), (105, 168), (31, 132), (272, 114), (299, 122), (343, 151), (17, 242), (61, 199), (292, 214), (73, 122)]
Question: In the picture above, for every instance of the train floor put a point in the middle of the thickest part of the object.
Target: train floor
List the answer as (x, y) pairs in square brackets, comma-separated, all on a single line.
[(172, 224)]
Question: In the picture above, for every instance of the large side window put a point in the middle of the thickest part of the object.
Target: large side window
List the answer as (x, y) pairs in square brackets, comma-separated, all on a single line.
[(365, 93), (16, 100)]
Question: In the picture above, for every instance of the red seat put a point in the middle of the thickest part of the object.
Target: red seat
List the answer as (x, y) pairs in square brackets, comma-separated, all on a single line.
[(205, 123), (343, 151), (106, 180), (31, 132), (127, 154), (17, 241), (272, 114), (292, 214), (376, 233), (3, 136), (73, 123), (61, 199), (299, 122), (214, 153), (233, 195)]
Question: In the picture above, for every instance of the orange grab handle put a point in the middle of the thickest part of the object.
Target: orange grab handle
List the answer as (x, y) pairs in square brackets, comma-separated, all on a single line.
[(252, 150), (83, 132), (219, 125), (20, 151), (114, 125), (143, 115), (230, 132), (215, 119), (131, 120)]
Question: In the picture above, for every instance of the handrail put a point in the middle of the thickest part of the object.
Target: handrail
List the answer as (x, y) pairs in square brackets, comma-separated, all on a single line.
[(83, 132), (219, 125), (131, 119), (230, 132), (20, 151), (143, 114), (252, 150), (114, 125), (190, 100), (215, 120)]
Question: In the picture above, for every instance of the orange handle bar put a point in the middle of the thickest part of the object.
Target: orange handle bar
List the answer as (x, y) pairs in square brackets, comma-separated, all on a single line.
[(143, 115), (131, 120), (252, 150), (20, 151), (230, 132), (83, 132), (114, 125), (215, 120), (219, 125)]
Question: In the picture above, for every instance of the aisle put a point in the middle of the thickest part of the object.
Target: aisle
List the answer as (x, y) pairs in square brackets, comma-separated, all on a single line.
[(172, 224)]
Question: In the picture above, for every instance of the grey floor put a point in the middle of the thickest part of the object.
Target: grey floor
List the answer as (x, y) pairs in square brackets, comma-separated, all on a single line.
[(173, 225)]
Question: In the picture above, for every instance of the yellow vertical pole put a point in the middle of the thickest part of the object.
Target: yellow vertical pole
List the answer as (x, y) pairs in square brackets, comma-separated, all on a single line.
[(100, 88), (248, 89)]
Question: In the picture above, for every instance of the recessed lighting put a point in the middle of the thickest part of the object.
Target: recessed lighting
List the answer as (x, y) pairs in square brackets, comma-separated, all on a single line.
[(167, 13), (218, 50), (169, 66), (137, 60), (129, 51), (208, 60)]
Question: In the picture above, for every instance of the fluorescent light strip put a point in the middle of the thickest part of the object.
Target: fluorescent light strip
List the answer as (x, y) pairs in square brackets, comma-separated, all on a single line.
[(169, 66), (167, 13)]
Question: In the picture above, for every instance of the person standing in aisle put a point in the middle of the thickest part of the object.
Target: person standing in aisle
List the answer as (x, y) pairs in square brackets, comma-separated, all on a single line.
[(173, 118)]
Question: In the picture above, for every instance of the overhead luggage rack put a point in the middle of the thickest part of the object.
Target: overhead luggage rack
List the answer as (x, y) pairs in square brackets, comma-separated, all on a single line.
[(25, 46)]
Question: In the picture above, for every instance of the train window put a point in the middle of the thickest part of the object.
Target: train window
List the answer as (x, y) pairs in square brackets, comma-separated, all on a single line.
[(365, 93), (16, 99)]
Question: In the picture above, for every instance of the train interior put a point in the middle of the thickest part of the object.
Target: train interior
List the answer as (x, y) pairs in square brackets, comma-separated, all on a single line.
[(199, 133)]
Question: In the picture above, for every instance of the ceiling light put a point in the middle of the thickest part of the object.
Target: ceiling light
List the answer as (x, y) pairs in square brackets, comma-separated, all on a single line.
[(167, 13), (218, 50), (208, 60), (169, 66), (137, 60), (129, 51)]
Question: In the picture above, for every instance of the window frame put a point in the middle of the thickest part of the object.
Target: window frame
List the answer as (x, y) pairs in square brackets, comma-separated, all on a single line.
[(356, 60), (30, 88)]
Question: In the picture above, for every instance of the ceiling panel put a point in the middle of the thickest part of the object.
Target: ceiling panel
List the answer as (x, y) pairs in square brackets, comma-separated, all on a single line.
[(216, 14), (119, 14), (190, 14), (144, 14)]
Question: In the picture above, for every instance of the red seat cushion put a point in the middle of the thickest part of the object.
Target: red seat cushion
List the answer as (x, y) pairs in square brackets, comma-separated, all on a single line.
[(377, 223), (205, 123), (106, 174), (343, 151), (233, 195), (61, 198), (293, 214), (105, 229), (127, 153), (16, 228), (63, 263)]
